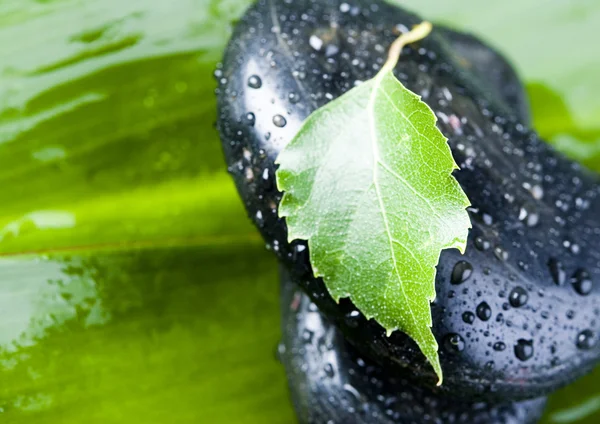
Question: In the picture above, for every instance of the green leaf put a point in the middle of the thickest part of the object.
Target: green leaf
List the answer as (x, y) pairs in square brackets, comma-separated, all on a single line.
[(110, 162), (87, 160), (554, 122), (367, 181), (149, 335)]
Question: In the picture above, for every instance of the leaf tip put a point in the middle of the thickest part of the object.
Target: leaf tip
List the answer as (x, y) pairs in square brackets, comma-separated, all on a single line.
[(437, 367)]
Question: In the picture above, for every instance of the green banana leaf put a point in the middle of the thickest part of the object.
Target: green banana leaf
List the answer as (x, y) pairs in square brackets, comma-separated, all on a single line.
[(132, 286)]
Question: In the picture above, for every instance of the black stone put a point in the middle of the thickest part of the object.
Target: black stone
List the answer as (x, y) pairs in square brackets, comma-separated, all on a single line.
[(331, 383), (504, 166)]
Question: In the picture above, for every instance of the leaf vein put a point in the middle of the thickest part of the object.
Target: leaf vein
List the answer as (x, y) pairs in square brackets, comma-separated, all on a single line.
[(376, 158)]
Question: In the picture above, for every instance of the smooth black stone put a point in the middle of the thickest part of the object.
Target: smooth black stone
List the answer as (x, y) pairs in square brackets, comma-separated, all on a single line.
[(331, 383), (501, 80), (508, 173)]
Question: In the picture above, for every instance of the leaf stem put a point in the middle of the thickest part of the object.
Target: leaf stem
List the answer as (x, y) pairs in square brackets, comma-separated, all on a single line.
[(418, 32)]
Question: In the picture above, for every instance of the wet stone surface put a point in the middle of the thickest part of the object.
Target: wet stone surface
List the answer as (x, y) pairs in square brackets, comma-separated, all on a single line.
[(518, 315), (331, 383)]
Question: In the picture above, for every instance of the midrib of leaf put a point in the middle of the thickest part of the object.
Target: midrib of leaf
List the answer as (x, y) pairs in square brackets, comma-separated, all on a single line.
[(376, 162), (410, 310)]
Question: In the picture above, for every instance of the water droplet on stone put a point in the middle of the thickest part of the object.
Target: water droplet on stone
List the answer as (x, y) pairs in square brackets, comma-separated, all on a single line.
[(281, 349), (352, 319), (582, 282), (537, 192), (557, 271), (254, 81), (461, 272), (331, 50), (315, 42), (265, 174), (582, 204), (454, 343), (518, 297), (500, 253), (279, 121), (329, 372), (482, 244), (524, 349), (487, 219), (293, 98), (259, 218), (468, 317), (250, 119), (529, 216), (484, 312), (586, 340), (307, 336), (249, 174), (499, 346), (298, 252)]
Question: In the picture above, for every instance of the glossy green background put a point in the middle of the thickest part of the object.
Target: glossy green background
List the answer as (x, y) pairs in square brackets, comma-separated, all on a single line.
[(132, 287)]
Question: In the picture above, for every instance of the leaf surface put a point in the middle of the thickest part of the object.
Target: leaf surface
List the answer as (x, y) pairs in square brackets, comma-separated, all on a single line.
[(368, 183)]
